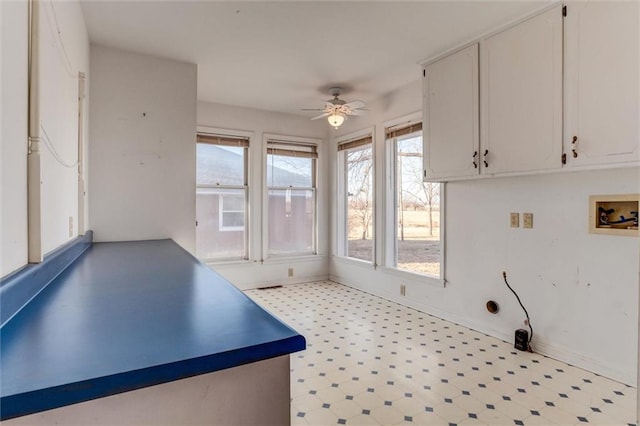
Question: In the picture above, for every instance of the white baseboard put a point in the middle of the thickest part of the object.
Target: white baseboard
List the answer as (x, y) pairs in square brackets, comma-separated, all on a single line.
[(287, 281)]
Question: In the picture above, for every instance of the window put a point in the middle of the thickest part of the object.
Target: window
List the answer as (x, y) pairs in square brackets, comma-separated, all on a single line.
[(221, 197), (417, 205), (291, 197), (355, 159), (231, 213)]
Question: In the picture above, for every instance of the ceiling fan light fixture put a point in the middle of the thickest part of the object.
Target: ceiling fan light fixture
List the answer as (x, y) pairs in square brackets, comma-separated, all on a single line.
[(337, 110), (335, 119)]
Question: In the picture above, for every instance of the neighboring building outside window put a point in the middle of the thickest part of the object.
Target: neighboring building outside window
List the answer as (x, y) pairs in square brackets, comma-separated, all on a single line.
[(291, 197), (221, 197), (356, 199), (417, 205), (231, 213)]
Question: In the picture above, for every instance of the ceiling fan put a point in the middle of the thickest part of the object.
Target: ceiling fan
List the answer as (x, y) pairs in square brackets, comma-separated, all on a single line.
[(336, 110)]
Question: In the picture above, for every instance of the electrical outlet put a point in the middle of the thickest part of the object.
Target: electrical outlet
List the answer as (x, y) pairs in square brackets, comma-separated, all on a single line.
[(71, 226), (527, 219), (403, 290), (515, 220), (290, 272)]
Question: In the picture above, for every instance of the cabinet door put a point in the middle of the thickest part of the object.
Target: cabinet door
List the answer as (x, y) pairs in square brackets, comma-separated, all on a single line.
[(601, 82), (450, 130), (521, 96)]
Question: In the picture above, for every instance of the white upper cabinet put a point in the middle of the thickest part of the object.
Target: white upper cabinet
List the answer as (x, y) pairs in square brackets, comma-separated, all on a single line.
[(521, 96), (450, 128), (601, 82), (520, 100)]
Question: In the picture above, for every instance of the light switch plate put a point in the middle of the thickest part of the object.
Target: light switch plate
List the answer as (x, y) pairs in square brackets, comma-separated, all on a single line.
[(527, 219)]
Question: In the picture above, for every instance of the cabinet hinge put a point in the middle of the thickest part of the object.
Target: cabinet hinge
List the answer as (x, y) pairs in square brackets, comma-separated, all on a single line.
[(564, 10), (564, 159)]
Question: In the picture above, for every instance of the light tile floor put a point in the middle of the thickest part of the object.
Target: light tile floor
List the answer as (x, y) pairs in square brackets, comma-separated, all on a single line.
[(370, 361)]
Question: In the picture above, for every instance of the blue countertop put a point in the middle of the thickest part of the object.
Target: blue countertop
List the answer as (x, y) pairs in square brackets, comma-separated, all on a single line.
[(127, 315)]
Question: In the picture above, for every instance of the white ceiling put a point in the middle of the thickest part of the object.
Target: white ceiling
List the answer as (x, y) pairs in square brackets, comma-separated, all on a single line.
[(283, 56)]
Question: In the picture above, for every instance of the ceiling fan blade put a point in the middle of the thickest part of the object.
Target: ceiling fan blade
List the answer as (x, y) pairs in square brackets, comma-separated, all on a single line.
[(355, 104), (312, 109), (326, 114), (359, 112)]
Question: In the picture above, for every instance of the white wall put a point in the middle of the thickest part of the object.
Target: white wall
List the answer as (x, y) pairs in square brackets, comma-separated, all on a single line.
[(63, 55), (258, 270), (142, 156), (581, 290), (59, 112), (13, 135)]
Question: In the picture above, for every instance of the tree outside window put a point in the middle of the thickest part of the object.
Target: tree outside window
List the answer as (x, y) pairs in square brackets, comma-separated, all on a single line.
[(359, 205), (417, 211)]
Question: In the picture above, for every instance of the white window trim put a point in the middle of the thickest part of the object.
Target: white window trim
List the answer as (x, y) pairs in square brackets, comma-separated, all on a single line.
[(386, 237), (390, 200), (265, 195), (200, 128), (341, 204), (228, 132)]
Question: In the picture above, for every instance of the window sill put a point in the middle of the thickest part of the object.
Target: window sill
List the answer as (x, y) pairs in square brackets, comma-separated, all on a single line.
[(223, 262), (428, 279), (300, 257), (354, 261)]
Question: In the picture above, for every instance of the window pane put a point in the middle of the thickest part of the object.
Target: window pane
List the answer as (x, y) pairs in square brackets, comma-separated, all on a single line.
[(289, 171), (220, 234), (418, 211), (222, 165), (232, 220), (232, 203), (232, 212), (360, 203), (291, 220)]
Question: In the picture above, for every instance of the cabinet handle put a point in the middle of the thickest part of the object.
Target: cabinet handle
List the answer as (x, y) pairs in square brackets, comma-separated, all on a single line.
[(486, 153), (475, 154), (574, 145)]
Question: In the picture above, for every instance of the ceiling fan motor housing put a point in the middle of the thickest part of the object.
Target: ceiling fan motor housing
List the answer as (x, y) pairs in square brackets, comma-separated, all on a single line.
[(335, 91)]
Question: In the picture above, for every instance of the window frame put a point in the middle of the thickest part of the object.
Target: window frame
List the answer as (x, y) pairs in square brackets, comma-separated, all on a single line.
[(342, 240), (221, 225), (390, 251), (293, 141), (240, 135)]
